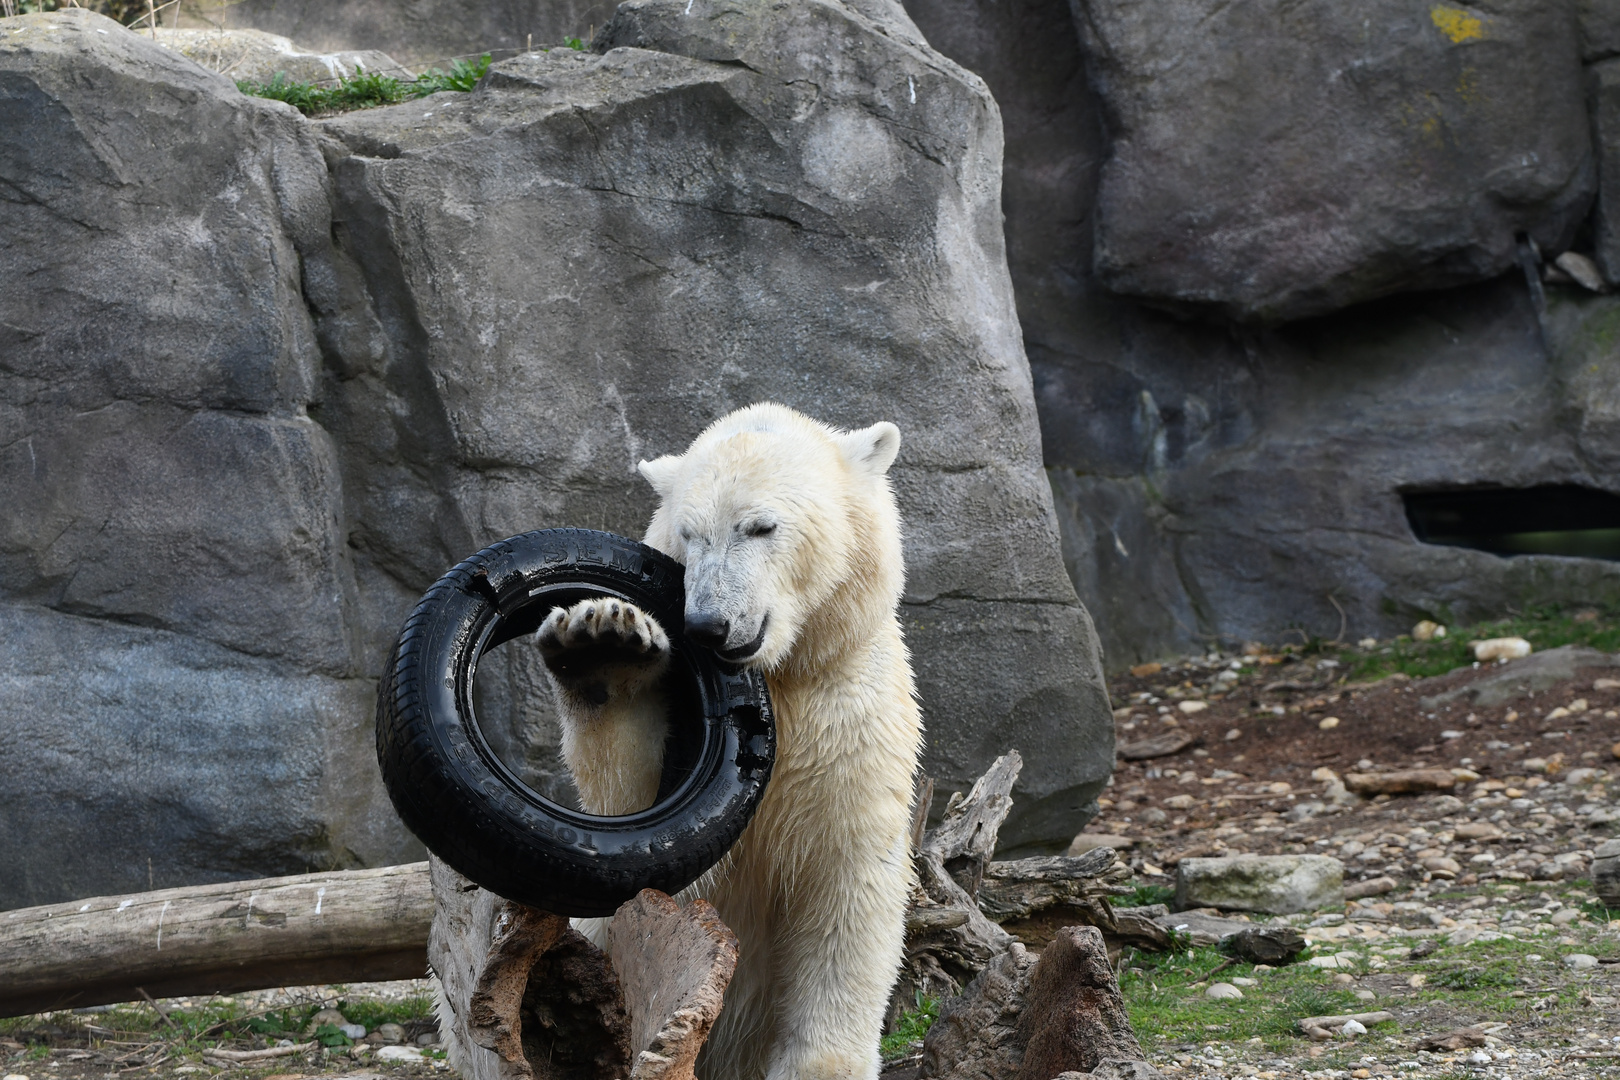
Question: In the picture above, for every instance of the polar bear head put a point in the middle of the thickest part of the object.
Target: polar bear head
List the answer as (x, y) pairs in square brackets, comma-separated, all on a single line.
[(788, 531)]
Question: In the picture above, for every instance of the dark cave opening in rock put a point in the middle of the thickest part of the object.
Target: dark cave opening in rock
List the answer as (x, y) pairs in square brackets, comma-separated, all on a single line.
[(1550, 519)]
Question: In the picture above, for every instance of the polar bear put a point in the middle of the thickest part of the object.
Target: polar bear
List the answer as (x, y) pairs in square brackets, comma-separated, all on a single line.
[(790, 537)]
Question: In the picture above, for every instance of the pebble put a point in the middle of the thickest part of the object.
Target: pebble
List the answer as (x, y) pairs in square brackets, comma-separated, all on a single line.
[(1240, 981), (1191, 707), (1353, 1027), (15, 1076), (353, 1031), (1328, 723), (1579, 961), (1565, 917), (399, 1053), (1223, 991), (1502, 648), (1428, 630), (391, 1033), (1366, 995)]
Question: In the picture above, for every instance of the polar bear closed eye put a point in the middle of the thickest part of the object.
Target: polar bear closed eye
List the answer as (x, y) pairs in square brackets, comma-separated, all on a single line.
[(790, 539)]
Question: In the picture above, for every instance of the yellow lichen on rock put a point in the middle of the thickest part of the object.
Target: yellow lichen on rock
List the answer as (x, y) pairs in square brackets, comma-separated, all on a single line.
[(1457, 24)]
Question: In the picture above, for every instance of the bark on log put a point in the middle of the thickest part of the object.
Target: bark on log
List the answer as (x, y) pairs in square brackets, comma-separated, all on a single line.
[(1019, 889), (346, 926), (523, 997)]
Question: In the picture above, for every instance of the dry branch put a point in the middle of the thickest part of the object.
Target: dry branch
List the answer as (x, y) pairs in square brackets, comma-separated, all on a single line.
[(346, 926)]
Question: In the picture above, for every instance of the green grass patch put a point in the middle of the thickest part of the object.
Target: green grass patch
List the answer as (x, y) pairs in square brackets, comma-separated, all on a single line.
[(1543, 627), (1145, 896), (366, 90), (914, 1024), (1167, 1005)]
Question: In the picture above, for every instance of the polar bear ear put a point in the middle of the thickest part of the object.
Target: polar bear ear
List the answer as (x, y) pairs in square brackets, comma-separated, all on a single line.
[(661, 473), (871, 450)]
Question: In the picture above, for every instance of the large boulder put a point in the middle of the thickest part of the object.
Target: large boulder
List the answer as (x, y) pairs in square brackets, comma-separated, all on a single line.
[(1343, 152), (733, 208), (182, 695), (270, 378)]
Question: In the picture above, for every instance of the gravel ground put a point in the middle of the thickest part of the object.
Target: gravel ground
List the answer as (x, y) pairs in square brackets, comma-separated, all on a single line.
[(1482, 897)]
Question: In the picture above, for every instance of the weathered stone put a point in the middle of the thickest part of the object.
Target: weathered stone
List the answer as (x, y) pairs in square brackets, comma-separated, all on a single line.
[(1277, 884), (1604, 82), (180, 603), (1340, 155), (1377, 886), (1201, 930), (1119, 1069), (255, 56), (1274, 945), (1074, 1016), (416, 31), (235, 418), (794, 206), (1606, 872), (1400, 782)]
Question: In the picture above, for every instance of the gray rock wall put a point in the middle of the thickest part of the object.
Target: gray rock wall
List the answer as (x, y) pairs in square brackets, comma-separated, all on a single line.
[(421, 32), (1220, 481), (269, 378)]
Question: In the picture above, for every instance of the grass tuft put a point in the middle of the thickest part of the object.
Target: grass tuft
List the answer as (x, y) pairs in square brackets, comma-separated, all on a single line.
[(366, 90), (914, 1024)]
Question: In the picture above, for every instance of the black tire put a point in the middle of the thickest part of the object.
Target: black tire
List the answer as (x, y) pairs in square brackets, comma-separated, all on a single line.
[(474, 813)]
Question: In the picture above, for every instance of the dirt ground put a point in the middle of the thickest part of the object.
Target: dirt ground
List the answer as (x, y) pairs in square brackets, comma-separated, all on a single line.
[(1482, 914)]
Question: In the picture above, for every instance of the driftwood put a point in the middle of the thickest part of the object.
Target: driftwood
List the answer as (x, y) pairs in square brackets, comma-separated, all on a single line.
[(347, 926), (1019, 889), (948, 939), (524, 997)]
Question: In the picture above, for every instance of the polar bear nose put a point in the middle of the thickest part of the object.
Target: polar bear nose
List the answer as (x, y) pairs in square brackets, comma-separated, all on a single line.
[(708, 629)]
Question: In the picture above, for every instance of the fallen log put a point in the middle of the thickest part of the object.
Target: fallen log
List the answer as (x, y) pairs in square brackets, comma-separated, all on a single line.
[(344, 926)]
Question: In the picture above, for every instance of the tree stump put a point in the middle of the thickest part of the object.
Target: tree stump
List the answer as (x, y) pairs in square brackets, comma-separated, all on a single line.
[(523, 996)]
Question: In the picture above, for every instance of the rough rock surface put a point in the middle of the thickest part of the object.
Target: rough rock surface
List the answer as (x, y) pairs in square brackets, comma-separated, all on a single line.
[(720, 271), (1220, 485), (270, 378), (255, 56), (1606, 872), (1342, 154), (1276, 884), (414, 31)]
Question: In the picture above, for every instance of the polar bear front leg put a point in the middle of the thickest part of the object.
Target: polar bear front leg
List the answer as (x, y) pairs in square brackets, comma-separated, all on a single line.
[(837, 966), (606, 658)]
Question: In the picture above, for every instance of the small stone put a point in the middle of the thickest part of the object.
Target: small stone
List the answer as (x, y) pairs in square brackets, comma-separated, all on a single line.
[(1428, 630), (430, 1038), (1142, 671), (1477, 830), (1583, 270), (1606, 684), (1366, 995), (391, 1033), (1415, 981), (1504, 648), (399, 1053), (1191, 707), (1579, 961), (354, 1031), (1328, 723), (1241, 981), (1368, 643), (1442, 866), (1179, 802), (1234, 734), (1353, 1027), (1565, 917), (1377, 886), (1344, 980), (1274, 945), (327, 1016), (15, 1076), (1223, 991), (1091, 841)]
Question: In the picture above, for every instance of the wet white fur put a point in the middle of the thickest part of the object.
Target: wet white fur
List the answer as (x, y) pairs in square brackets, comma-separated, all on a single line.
[(816, 888)]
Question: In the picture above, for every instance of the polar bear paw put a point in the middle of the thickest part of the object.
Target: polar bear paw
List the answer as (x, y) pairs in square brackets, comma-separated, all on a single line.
[(602, 649)]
